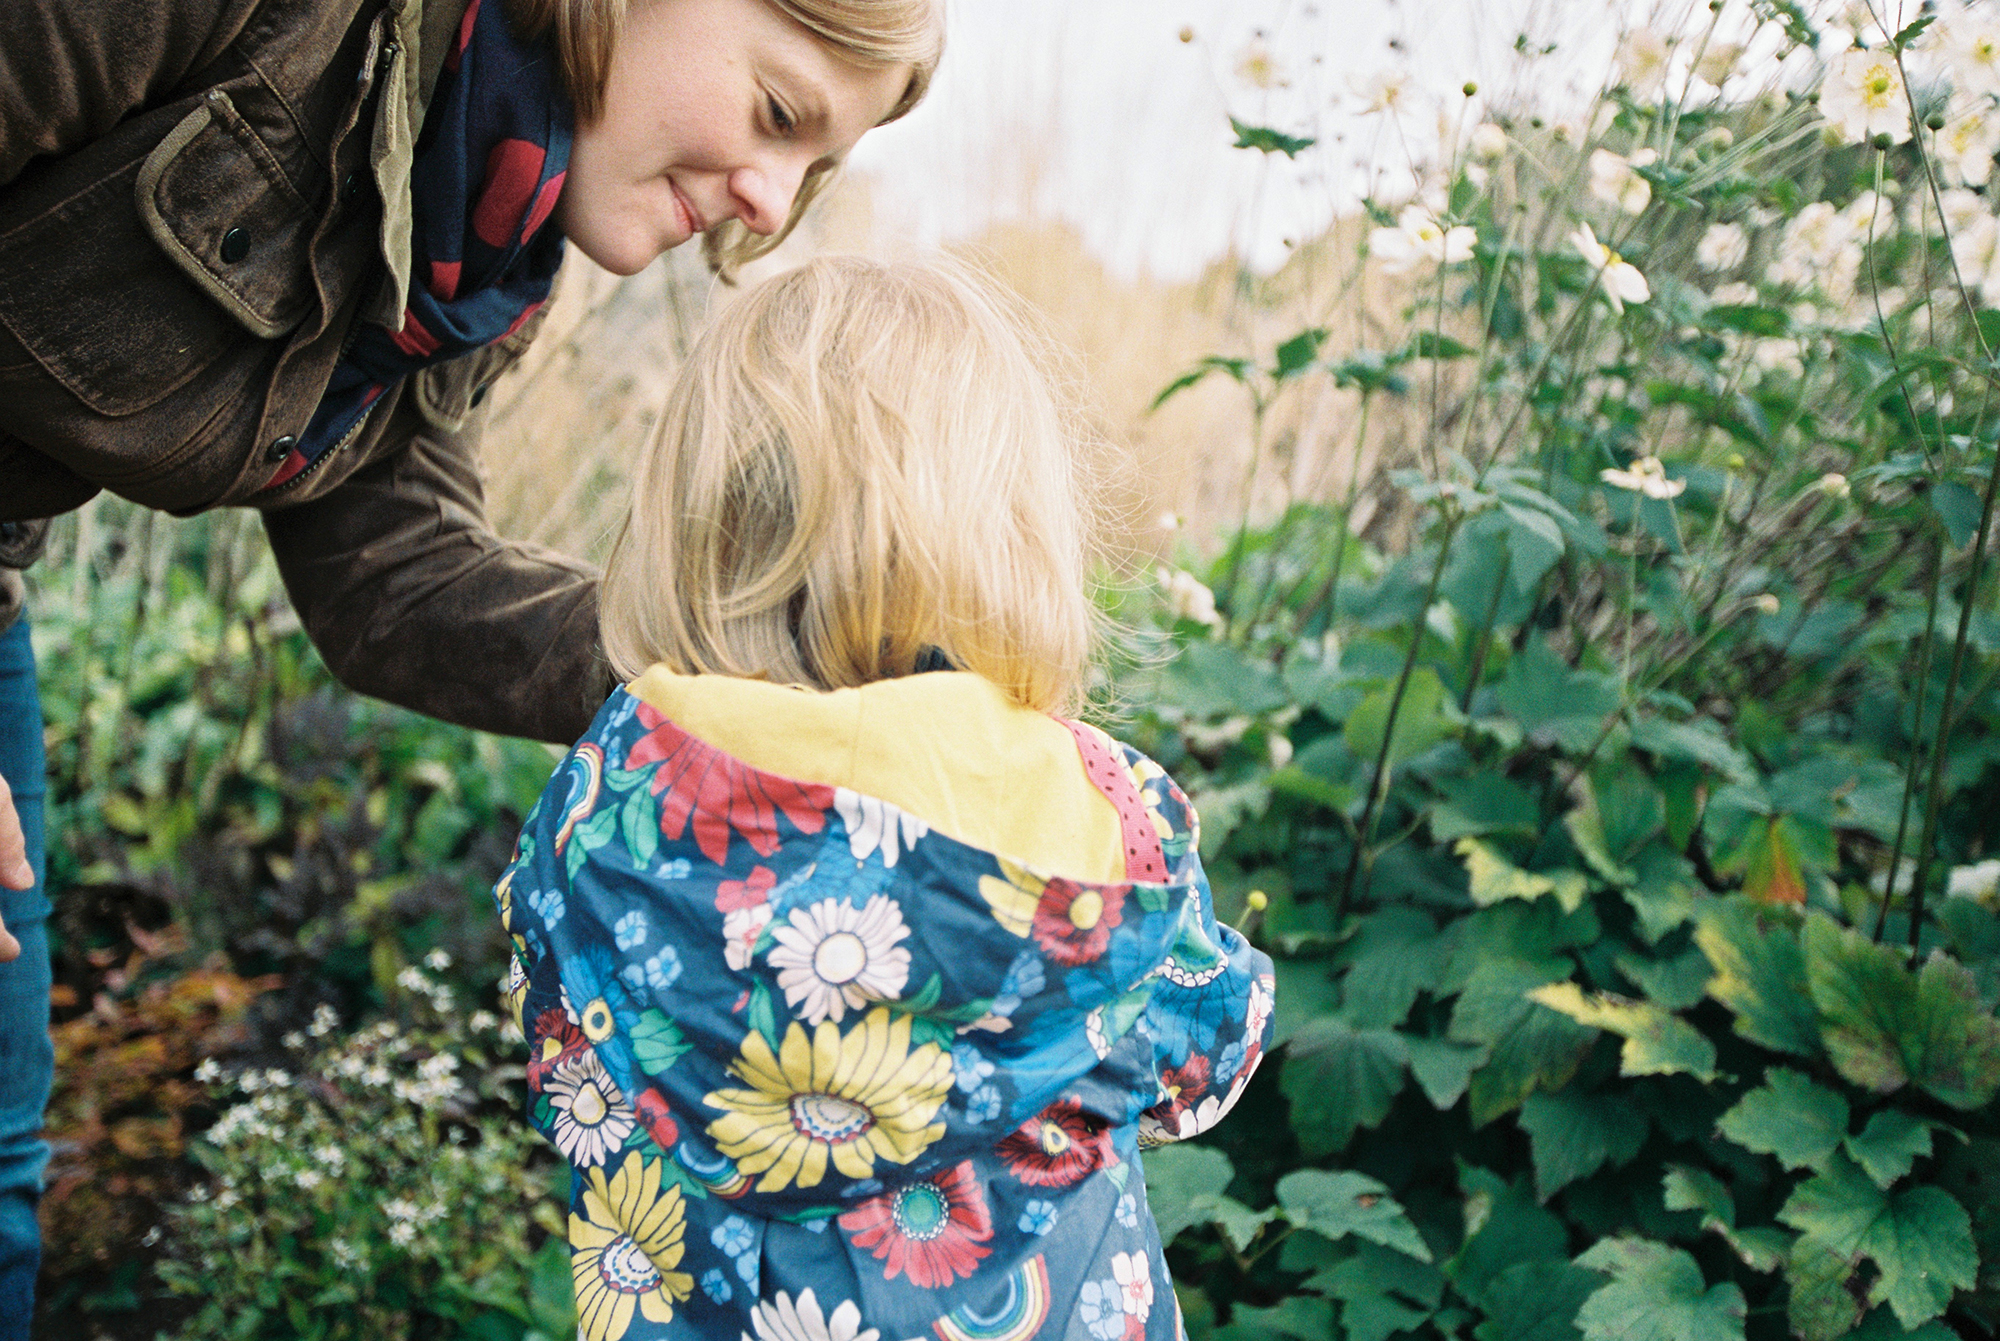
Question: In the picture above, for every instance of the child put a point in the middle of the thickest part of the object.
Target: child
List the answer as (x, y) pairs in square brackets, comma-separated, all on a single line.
[(854, 981)]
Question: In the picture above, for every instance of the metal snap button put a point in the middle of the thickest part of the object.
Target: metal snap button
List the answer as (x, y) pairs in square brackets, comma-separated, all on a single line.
[(235, 246), (280, 449)]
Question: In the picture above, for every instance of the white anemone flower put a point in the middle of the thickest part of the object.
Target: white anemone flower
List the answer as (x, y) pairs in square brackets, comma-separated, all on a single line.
[(1966, 145), (1489, 141), (1642, 61), (1383, 91), (779, 1319), (1615, 181), (1647, 476), (1188, 597), (1418, 239), (832, 957), (1970, 44), (1723, 246), (1619, 278), (1862, 96), (1718, 62)]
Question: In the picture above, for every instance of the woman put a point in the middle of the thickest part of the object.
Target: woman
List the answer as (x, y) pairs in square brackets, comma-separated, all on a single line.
[(270, 253)]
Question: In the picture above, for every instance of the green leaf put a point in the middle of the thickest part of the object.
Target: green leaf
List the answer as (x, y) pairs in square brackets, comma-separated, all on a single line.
[(1959, 508), (1211, 679), (1483, 803), (1675, 983), (1339, 1204), (1339, 1078), (1531, 1046), (1698, 742), (1492, 878), (1295, 355), (657, 1042), (1239, 369), (1394, 954), (1586, 829), (1534, 544), (1790, 1117), (1890, 1145), (1266, 140), (1664, 894), (1421, 719), (1656, 1293), (1382, 1292), (762, 1017), (1820, 1306), (1657, 1042), (1534, 1301), (1504, 1227), (1184, 1186), (1301, 1317), (1886, 1027), (1572, 1136), (1554, 702), (1760, 974), (1442, 1068), (1920, 1240), (1685, 1189)]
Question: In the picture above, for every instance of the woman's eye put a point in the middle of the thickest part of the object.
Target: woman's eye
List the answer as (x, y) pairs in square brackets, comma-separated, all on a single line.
[(781, 120)]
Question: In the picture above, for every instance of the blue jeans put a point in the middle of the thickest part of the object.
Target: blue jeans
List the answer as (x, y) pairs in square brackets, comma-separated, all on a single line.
[(27, 1059)]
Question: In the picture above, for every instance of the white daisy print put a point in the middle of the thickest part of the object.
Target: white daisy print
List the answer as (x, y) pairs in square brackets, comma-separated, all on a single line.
[(780, 1319), (740, 931), (873, 823), (832, 957), (592, 1118)]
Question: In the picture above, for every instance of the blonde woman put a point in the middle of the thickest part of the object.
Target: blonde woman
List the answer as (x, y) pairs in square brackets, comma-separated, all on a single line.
[(270, 253), (853, 978)]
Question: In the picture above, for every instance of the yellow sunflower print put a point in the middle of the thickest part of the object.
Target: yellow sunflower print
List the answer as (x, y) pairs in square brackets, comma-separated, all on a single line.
[(853, 1098), (1014, 899), (623, 1248)]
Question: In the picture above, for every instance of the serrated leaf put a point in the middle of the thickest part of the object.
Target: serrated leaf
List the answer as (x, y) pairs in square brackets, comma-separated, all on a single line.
[(1920, 1239), (1269, 141), (1421, 719), (1300, 1317), (1686, 1189), (1697, 742), (1760, 974), (1338, 1204), (1381, 1291), (1339, 1078), (1890, 1145), (1530, 1046), (1820, 1306), (1585, 824), (1656, 1293), (1572, 1136), (1492, 878), (1504, 1227), (1184, 1185), (1886, 1027), (1483, 803), (1534, 1301), (1394, 954), (1657, 1042), (1675, 983), (1442, 1068), (1789, 1117)]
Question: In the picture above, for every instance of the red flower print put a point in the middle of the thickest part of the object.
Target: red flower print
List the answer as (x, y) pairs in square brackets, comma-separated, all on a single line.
[(1058, 1146), (553, 1041), (928, 1231), (651, 1110), (1073, 922), (719, 793), (735, 895), (1184, 1084)]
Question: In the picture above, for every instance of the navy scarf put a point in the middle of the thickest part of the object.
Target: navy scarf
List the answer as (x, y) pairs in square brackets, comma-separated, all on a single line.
[(489, 166)]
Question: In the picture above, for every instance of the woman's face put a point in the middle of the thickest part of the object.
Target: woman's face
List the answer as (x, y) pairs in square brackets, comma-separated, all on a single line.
[(713, 110)]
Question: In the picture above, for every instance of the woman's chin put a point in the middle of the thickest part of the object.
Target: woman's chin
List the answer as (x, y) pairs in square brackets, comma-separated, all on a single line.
[(624, 255)]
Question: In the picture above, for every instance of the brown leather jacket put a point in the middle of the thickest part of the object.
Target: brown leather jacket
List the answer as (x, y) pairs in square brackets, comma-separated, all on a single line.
[(198, 201)]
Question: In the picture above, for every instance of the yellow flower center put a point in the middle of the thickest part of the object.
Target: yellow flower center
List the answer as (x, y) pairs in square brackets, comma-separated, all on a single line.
[(1086, 910), (840, 958), (589, 1107), (596, 1020), (1055, 1140)]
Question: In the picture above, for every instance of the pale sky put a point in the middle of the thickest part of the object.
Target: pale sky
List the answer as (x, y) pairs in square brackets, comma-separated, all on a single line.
[(1096, 112)]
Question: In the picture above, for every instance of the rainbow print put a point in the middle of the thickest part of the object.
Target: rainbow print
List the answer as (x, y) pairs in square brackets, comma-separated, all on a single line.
[(583, 775), (1017, 1316)]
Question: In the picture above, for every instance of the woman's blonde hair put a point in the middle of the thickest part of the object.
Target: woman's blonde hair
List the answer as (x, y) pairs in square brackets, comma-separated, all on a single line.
[(873, 34), (862, 466)]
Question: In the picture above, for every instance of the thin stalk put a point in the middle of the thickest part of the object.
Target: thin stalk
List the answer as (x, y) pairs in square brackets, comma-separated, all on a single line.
[(1915, 769), (1483, 641), (1379, 776)]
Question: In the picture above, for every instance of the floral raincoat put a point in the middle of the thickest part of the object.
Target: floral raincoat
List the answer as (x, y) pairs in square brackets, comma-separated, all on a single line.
[(824, 1072)]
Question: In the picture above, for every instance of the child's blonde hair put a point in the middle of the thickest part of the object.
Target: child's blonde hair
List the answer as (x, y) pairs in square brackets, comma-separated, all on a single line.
[(873, 34), (862, 463)]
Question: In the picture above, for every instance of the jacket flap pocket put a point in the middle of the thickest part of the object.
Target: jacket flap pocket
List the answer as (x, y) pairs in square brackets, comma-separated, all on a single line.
[(218, 204)]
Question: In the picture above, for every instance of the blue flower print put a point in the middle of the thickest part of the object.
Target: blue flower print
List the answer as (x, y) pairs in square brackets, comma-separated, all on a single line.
[(1128, 1211), (658, 973), (1039, 1217), (679, 868), (970, 1068), (815, 1226), (746, 1267), (984, 1106), (1024, 977), (548, 905), (734, 1236), (715, 1285), (631, 930), (1102, 1309)]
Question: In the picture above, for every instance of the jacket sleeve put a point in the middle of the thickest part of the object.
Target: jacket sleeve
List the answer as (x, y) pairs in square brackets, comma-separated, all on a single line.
[(70, 70), (411, 597)]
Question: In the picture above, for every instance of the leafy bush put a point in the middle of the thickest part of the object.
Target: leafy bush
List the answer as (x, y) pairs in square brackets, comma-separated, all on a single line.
[(1622, 821), (389, 1188)]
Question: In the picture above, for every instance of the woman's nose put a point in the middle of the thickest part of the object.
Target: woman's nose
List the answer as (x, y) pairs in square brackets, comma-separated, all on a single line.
[(764, 193)]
